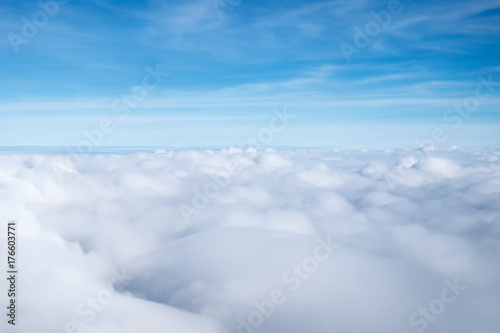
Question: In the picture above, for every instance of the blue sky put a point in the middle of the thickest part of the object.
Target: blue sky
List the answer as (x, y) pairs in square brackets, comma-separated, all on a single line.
[(232, 63)]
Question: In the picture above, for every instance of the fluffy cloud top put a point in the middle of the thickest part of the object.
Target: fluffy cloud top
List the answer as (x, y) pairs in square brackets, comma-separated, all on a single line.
[(256, 241)]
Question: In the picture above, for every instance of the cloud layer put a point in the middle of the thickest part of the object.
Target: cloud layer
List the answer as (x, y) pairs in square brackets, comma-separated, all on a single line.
[(256, 241)]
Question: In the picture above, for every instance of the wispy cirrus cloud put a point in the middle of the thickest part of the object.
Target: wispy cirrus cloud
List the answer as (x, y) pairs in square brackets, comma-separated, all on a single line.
[(262, 55)]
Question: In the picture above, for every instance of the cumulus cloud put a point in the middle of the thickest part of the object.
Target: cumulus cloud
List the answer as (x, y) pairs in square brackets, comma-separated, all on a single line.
[(256, 241)]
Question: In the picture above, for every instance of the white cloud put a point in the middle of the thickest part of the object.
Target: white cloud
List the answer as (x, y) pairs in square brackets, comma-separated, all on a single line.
[(403, 236)]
